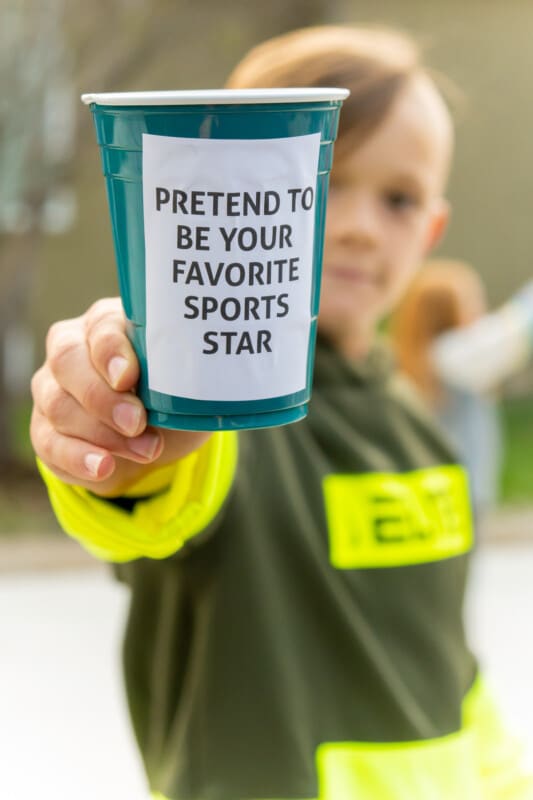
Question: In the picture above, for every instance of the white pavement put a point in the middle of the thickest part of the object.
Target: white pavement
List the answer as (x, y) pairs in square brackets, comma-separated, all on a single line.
[(64, 732)]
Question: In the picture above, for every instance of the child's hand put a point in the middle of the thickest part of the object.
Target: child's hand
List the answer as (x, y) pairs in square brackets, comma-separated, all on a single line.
[(87, 425)]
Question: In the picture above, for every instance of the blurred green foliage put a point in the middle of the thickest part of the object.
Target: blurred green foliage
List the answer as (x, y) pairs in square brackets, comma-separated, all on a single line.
[(517, 478), (24, 506)]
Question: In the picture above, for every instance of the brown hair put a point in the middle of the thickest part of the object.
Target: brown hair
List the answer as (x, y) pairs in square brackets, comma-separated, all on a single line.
[(444, 295), (375, 64)]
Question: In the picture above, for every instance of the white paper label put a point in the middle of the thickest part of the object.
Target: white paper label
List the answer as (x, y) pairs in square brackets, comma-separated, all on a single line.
[(229, 227)]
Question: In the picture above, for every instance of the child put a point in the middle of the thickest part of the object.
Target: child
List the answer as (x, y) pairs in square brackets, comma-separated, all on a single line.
[(448, 296), (296, 609)]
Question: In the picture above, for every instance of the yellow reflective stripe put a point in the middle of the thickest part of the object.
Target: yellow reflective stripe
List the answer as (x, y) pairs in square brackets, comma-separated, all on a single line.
[(500, 756), (158, 526), (395, 519), (482, 761), (439, 769), (159, 796)]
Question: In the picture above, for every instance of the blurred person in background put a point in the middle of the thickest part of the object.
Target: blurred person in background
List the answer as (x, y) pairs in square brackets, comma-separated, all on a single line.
[(460, 355), (493, 348), (296, 622), (446, 296)]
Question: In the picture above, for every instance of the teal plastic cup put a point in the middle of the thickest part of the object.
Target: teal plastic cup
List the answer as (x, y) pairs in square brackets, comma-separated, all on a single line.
[(217, 202)]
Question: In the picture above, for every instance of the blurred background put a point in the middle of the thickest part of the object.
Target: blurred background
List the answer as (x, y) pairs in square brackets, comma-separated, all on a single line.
[(56, 252), (55, 242)]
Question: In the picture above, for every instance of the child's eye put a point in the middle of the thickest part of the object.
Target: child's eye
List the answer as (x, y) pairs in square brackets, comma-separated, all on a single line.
[(401, 201)]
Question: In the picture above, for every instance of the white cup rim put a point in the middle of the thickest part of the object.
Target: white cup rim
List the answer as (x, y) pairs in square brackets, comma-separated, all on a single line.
[(216, 96)]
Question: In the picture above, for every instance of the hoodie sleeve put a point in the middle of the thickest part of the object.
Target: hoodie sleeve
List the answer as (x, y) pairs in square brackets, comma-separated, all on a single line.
[(174, 504)]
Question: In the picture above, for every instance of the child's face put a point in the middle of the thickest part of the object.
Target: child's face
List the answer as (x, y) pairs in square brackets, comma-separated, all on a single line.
[(385, 211)]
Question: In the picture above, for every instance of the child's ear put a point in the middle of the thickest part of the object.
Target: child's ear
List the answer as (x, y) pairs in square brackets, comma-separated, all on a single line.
[(438, 223)]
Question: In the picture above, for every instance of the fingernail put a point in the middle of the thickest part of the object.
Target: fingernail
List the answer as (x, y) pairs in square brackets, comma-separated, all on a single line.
[(116, 368), (127, 417), (145, 445), (92, 463)]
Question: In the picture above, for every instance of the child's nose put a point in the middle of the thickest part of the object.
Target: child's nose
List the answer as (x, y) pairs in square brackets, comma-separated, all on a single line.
[(359, 221)]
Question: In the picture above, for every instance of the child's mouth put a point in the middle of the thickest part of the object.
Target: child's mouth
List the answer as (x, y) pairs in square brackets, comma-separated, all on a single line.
[(351, 274)]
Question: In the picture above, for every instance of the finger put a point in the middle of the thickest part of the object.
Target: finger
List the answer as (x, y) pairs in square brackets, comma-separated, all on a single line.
[(71, 368), (67, 417), (110, 349), (72, 459)]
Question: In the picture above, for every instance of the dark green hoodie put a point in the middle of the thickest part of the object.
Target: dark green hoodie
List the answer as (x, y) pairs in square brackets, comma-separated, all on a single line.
[(323, 606)]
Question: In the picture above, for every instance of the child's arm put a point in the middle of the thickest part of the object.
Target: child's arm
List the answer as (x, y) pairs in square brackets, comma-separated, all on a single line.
[(89, 431)]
